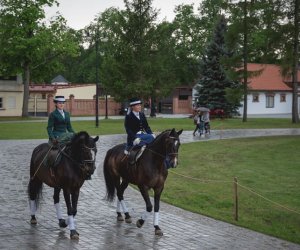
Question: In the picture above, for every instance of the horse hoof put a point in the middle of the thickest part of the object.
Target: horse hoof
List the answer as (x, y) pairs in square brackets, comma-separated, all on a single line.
[(74, 235), (158, 232), (120, 218), (128, 220), (62, 223), (140, 223), (33, 221)]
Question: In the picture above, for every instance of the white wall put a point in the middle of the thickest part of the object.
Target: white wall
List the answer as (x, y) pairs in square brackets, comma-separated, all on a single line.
[(255, 108), (79, 92), (11, 93)]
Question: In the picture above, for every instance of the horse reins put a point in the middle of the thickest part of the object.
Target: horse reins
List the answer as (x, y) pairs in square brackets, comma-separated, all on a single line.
[(42, 162), (161, 155), (84, 161)]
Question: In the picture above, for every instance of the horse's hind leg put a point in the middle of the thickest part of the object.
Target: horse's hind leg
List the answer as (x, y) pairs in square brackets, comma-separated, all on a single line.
[(34, 190), (61, 222), (121, 206)]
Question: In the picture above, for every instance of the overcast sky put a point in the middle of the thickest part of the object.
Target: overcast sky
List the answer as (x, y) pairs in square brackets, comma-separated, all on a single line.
[(79, 13)]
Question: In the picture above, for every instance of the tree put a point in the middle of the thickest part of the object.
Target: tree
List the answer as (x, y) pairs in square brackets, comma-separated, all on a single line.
[(295, 63), (29, 45), (138, 55), (213, 83)]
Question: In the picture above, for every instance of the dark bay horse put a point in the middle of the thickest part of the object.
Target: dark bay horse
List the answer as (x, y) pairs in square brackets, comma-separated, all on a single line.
[(149, 172), (76, 163)]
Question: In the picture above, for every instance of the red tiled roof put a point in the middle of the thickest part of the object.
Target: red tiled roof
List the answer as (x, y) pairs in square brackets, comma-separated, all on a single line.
[(270, 78), (42, 88), (74, 85)]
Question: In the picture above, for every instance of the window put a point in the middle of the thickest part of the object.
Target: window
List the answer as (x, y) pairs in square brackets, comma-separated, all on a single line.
[(269, 101), (183, 97), (282, 98), (1, 103), (43, 96), (255, 98)]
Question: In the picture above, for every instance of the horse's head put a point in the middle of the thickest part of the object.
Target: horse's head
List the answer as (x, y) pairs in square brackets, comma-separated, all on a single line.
[(172, 143), (85, 150)]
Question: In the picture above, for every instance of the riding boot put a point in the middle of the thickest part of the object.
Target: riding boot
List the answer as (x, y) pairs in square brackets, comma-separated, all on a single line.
[(131, 157)]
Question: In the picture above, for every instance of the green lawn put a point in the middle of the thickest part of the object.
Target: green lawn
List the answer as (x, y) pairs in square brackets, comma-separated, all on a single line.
[(13, 129), (203, 181), (269, 166)]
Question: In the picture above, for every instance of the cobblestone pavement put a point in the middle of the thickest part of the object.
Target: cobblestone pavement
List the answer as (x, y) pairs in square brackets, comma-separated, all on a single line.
[(96, 219)]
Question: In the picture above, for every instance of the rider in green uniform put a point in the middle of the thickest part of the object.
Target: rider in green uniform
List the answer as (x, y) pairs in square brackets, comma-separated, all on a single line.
[(59, 125)]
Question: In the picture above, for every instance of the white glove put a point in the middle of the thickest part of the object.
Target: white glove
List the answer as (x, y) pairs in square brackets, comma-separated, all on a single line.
[(137, 141), (154, 136), (126, 152)]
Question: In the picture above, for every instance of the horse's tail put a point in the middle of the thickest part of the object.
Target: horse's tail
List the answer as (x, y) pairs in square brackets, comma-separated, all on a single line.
[(110, 187), (34, 191), (35, 187)]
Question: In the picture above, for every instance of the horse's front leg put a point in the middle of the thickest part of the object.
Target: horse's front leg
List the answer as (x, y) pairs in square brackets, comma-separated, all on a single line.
[(61, 222), (157, 193), (71, 200), (145, 215), (121, 206)]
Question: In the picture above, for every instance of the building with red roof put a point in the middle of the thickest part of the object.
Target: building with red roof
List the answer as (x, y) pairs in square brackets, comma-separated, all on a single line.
[(269, 92)]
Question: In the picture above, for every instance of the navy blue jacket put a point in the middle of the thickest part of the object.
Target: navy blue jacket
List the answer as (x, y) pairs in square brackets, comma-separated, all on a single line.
[(134, 125)]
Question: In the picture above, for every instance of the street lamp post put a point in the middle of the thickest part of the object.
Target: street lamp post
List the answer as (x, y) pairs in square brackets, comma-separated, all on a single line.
[(97, 83), (106, 107)]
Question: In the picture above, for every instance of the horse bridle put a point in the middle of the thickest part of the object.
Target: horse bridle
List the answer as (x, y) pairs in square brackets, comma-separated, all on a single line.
[(86, 162), (83, 163), (168, 154)]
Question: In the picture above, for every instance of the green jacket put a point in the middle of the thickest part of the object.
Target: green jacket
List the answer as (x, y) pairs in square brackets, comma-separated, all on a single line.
[(57, 125)]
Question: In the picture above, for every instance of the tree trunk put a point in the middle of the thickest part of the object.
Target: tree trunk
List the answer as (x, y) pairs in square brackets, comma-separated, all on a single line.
[(295, 113), (26, 89), (245, 64), (153, 109)]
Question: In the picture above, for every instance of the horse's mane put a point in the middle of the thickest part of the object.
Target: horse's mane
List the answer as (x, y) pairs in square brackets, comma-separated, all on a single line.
[(78, 135), (159, 137)]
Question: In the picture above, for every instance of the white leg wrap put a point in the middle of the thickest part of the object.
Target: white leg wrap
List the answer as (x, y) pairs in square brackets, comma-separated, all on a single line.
[(156, 219), (71, 222), (32, 207), (58, 210), (123, 205), (145, 215), (119, 207)]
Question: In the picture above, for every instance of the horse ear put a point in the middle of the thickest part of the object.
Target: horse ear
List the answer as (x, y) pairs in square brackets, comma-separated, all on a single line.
[(172, 132), (179, 132), (96, 138)]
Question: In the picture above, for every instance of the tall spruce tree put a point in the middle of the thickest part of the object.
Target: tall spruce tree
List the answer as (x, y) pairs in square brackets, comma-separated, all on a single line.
[(213, 83)]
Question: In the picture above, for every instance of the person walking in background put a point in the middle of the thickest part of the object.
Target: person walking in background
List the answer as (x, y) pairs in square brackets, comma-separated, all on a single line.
[(136, 125), (59, 125), (199, 123), (206, 122)]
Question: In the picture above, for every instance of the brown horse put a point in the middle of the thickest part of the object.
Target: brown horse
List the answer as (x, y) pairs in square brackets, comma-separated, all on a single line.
[(76, 163), (149, 172)]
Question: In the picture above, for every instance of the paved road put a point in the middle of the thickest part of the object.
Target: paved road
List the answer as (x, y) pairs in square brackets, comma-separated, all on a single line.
[(96, 220)]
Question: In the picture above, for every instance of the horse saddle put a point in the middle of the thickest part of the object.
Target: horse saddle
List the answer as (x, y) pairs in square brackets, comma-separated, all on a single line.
[(135, 153), (54, 157)]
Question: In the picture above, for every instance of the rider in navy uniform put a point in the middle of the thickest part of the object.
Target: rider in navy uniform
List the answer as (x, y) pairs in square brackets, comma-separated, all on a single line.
[(138, 130)]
